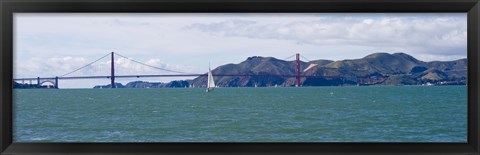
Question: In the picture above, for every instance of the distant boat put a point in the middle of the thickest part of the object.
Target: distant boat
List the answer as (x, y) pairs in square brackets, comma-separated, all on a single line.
[(210, 81), (428, 84)]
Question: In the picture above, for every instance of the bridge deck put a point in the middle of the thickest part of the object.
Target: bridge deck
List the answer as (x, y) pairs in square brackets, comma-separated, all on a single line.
[(176, 75)]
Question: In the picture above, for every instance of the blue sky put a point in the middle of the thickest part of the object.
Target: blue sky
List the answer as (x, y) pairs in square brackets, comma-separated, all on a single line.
[(49, 44)]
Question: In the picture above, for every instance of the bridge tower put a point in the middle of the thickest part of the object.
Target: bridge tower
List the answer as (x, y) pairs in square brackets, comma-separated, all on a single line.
[(56, 82), (112, 74), (297, 70)]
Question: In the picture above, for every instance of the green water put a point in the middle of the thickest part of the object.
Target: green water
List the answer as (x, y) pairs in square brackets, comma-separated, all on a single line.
[(307, 114)]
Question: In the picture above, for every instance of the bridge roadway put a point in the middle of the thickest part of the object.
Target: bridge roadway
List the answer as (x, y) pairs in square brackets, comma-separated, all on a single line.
[(174, 75)]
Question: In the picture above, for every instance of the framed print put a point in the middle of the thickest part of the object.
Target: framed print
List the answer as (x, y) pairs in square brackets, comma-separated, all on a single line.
[(257, 77)]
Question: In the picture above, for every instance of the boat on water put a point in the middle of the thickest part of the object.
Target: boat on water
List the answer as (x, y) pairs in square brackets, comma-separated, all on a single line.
[(210, 81)]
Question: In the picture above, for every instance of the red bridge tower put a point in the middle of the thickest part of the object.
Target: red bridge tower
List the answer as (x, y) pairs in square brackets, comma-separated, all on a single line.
[(297, 70)]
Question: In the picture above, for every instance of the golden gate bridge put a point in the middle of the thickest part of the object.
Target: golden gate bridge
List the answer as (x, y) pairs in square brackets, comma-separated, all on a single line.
[(55, 80)]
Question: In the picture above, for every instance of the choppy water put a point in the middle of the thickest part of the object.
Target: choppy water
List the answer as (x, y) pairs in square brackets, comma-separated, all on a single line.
[(307, 114)]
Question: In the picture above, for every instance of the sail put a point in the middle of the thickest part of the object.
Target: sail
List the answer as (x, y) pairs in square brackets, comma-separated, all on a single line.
[(210, 81)]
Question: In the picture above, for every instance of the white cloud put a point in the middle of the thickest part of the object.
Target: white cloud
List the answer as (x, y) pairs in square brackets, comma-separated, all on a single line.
[(417, 35)]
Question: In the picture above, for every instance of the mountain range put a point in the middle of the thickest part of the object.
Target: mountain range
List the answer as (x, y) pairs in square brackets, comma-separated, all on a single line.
[(373, 69)]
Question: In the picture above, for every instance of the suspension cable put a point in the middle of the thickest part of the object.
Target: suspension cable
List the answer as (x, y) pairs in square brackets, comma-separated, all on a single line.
[(304, 58), (152, 66), (289, 57), (84, 66)]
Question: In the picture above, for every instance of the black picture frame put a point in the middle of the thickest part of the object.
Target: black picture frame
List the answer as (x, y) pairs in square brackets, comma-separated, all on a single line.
[(8, 7)]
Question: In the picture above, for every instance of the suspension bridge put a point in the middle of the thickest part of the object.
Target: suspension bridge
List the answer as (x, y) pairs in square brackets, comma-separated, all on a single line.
[(54, 80)]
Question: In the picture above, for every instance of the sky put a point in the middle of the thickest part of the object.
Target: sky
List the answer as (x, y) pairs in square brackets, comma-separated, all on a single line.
[(53, 44)]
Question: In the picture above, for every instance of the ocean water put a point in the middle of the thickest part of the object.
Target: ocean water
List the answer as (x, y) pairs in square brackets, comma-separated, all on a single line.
[(306, 114)]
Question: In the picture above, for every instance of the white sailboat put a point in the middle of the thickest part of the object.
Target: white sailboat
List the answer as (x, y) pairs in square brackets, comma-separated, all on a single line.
[(210, 81)]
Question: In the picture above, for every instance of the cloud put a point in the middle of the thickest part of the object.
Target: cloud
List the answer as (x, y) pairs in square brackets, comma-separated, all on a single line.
[(427, 35), (227, 28), (59, 66)]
